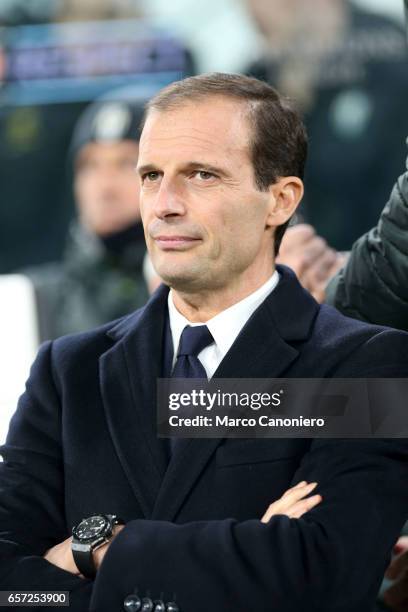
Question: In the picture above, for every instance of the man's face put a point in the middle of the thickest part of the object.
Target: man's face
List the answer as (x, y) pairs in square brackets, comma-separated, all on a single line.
[(205, 221), (107, 187)]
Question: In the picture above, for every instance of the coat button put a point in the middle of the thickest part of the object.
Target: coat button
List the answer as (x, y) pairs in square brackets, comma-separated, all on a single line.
[(171, 606), (147, 605), (159, 606), (132, 603)]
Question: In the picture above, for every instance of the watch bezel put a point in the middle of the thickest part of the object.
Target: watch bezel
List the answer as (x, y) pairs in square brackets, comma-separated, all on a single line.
[(94, 539)]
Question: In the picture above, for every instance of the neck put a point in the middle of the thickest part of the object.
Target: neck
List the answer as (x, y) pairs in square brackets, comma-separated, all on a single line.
[(203, 305)]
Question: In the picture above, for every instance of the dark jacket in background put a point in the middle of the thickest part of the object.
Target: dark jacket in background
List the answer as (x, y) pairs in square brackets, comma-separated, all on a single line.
[(97, 281), (373, 286)]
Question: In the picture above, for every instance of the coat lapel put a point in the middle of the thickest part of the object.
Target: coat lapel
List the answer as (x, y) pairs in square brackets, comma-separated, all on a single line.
[(128, 374), (263, 349), (129, 371)]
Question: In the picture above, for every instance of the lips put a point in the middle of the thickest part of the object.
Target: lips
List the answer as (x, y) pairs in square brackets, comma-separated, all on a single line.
[(167, 243)]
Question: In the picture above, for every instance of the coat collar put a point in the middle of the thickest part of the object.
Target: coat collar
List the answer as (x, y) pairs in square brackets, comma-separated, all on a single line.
[(129, 371), (292, 308)]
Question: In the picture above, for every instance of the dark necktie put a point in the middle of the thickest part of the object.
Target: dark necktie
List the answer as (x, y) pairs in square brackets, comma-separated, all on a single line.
[(192, 341)]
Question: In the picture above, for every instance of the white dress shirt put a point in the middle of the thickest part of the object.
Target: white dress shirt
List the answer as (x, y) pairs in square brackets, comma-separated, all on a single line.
[(224, 327)]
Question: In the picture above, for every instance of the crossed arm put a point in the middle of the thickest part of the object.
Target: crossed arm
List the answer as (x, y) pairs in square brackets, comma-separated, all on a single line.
[(297, 555), (293, 504)]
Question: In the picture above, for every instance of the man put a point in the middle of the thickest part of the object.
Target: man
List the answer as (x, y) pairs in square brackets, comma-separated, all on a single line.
[(100, 277), (221, 160)]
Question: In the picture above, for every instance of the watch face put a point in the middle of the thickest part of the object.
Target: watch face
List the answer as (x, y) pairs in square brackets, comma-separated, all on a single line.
[(91, 528)]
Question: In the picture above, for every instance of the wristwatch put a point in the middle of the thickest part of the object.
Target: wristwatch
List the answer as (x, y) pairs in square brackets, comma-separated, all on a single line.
[(87, 536)]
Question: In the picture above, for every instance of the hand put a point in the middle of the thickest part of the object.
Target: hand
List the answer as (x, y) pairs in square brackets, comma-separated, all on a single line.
[(396, 596), (309, 256), (294, 502), (61, 554)]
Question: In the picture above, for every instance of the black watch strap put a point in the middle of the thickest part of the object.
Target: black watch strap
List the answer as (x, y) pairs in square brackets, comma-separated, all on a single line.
[(83, 551), (83, 558)]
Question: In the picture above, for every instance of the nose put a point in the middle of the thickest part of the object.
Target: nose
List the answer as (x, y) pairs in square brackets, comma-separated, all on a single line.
[(169, 201)]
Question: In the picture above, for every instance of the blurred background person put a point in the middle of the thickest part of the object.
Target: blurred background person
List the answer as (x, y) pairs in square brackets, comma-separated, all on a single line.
[(100, 276), (348, 70), (311, 258), (71, 54), (370, 282), (80, 249), (373, 285), (36, 122)]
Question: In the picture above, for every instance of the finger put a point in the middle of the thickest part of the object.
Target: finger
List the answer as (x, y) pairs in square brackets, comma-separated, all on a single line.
[(301, 258), (295, 510), (300, 484), (320, 269), (314, 249), (300, 508), (297, 235), (401, 545), (397, 566), (396, 596), (287, 500), (297, 493), (273, 507), (341, 260), (319, 293)]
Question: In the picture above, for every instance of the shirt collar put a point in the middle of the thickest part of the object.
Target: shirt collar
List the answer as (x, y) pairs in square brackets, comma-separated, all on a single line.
[(226, 325)]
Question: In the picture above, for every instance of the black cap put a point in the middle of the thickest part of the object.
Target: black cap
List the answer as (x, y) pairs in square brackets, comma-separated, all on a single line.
[(108, 120)]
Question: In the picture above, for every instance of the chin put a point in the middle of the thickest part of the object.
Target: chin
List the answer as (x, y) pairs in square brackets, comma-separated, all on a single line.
[(182, 280)]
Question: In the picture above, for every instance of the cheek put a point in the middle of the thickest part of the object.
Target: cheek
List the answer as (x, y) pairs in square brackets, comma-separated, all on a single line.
[(131, 194), (87, 188), (244, 236), (242, 226), (144, 211), (83, 192)]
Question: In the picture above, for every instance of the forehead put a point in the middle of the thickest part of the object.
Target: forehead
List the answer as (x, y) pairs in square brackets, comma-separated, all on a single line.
[(108, 150), (215, 126)]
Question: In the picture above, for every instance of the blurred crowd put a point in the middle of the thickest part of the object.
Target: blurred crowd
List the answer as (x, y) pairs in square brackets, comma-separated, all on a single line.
[(65, 216), (74, 79), (69, 216)]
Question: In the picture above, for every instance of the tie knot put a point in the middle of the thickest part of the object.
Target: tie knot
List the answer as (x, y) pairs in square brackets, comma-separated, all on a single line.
[(194, 339)]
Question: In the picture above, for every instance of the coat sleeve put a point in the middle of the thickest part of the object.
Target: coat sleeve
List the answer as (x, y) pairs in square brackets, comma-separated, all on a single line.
[(32, 515), (336, 554), (332, 559), (373, 285)]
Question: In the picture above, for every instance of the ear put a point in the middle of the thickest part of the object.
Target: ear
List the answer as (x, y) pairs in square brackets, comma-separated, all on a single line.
[(285, 197)]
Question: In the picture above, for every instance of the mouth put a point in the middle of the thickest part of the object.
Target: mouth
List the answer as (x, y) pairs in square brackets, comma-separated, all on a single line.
[(175, 243)]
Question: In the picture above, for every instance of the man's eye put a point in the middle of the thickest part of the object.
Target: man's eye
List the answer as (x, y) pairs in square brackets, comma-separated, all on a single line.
[(204, 175), (150, 176)]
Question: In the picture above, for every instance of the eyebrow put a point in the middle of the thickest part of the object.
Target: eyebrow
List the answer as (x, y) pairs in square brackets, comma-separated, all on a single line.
[(190, 166), (207, 167), (146, 168)]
